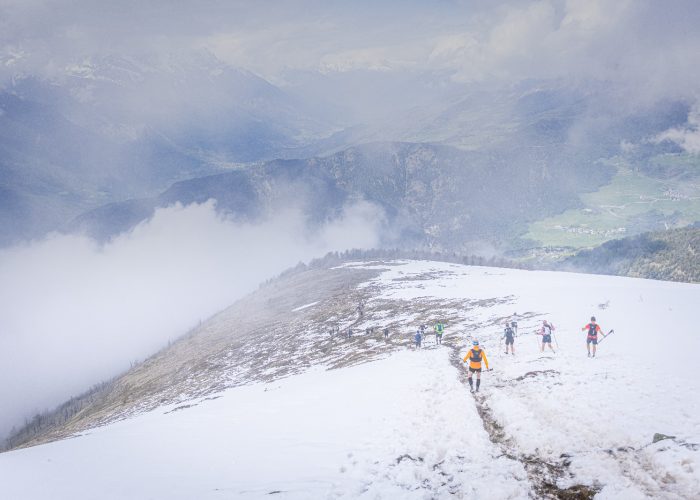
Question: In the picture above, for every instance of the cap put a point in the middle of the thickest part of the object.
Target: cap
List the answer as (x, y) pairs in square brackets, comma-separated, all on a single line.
[(475, 342)]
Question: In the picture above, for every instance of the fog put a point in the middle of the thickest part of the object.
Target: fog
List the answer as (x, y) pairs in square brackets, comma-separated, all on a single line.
[(103, 102), (478, 42), (349, 63), (73, 313), (452, 41)]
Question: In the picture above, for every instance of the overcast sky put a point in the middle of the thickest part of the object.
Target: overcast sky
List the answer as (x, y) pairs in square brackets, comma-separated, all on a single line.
[(468, 41)]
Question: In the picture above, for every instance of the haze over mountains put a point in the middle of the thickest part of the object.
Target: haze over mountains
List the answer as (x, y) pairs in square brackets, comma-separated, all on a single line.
[(537, 140), (116, 128), (199, 148), (89, 119)]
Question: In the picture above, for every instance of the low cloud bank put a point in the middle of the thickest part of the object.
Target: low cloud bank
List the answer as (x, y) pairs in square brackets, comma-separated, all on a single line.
[(73, 313)]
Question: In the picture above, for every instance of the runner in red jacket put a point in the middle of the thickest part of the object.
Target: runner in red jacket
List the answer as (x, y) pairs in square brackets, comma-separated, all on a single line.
[(593, 330)]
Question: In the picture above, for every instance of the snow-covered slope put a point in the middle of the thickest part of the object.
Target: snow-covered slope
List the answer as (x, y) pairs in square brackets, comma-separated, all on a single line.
[(389, 427), (391, 422)]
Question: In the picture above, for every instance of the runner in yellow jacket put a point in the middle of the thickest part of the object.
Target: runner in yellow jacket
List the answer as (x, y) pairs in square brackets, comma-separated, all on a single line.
[(475, 356)]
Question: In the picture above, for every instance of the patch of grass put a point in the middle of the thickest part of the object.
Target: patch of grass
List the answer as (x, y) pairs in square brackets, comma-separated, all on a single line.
[(688, 162), (632, 203)]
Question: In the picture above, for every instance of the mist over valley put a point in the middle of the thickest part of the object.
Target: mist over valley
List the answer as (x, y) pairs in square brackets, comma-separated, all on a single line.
[(167, 168)]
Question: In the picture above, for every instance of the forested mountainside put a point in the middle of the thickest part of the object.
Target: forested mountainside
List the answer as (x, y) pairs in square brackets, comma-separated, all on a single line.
[(672, 255), (433, 196)]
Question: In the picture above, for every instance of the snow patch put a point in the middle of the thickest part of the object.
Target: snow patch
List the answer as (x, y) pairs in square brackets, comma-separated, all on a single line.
[(305, 306)]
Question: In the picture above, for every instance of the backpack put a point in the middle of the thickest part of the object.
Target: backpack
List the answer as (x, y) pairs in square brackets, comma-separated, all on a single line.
[(475, 355), (547, 330), (439, 327), (592, 331), (509, 331)]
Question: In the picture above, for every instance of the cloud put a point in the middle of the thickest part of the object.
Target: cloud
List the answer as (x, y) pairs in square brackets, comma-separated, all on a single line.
[(687, 137), (73, 313), (546, 38), (653, 47)]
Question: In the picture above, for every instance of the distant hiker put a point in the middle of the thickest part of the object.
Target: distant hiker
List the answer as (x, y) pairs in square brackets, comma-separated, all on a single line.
[(514, 322), (475, 356), (509, 335), (418, 338), (592, 329), (422, 329), (386, 333), (349, 332), (368, 331), (439, 330), (546, 332)]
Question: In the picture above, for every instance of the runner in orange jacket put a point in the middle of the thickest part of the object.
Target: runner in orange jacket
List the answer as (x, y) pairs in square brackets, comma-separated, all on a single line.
[(475, 356)]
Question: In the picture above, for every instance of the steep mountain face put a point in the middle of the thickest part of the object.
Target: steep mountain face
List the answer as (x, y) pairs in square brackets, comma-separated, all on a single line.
[(228, 351), (672, 255), (300, 376), (520, 154), (432, 195), (117, 128)]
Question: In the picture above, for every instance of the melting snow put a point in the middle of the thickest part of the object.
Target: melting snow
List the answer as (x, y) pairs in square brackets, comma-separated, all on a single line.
[(305, 306), (405, 426)]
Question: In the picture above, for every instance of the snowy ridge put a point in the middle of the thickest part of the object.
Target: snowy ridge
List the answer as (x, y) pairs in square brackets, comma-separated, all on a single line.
[(361, 416), (588, 421)]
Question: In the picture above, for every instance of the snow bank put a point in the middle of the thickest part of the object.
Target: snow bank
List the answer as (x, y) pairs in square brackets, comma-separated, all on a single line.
[(602, 412), (402, 427)]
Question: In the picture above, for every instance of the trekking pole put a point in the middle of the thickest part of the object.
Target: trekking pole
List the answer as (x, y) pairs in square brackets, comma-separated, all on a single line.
[(606, 336), (555, 339)]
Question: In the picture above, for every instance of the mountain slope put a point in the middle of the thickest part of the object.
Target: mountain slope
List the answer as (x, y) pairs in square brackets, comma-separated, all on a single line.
[(384, 421), (115, 128), (432, 195), (672, 255), (260, 440)]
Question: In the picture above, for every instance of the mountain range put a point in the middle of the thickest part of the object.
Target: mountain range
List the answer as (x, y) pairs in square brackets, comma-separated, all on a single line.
[(106, 142), (436, 196), (115, 128)]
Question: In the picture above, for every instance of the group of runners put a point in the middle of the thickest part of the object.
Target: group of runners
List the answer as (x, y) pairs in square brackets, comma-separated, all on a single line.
[(439, 329), (476, 355), (547, 329)]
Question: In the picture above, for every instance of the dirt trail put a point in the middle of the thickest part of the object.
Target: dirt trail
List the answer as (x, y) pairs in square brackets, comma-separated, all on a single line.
[(543, 475)]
